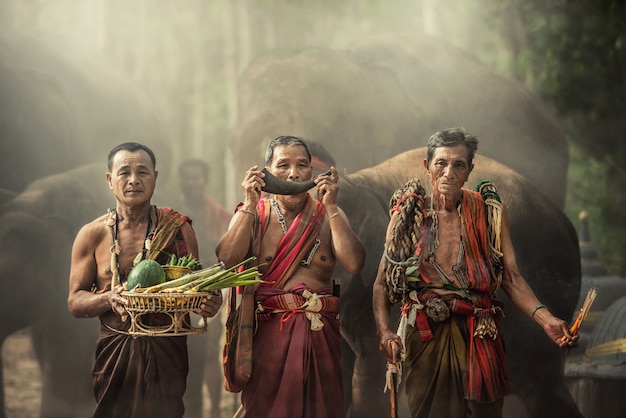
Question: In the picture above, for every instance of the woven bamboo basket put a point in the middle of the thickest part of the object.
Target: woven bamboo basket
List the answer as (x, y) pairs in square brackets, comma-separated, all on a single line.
[(177, 306)]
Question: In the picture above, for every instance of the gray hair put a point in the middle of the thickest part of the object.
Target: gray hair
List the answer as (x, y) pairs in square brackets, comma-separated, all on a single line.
[(452, 137), (284, 140)]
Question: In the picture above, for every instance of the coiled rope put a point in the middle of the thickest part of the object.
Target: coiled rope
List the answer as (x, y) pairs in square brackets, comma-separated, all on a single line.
[(400, 250), (493, 203)]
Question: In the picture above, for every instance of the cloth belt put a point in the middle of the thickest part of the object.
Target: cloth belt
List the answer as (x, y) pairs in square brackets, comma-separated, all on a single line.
[(314, 306), (482, 321)]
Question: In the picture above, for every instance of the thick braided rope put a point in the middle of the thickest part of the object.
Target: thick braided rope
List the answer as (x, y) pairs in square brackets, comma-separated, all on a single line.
[(493, 204), (408, 202)]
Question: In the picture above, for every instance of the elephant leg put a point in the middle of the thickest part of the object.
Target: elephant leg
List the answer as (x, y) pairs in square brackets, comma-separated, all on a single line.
[(367, 377), (368, 381), (67, 356), (347, 368), (4, 334), (367, 372), (537, 379), (555, 401), (516, 407), (2, 398)]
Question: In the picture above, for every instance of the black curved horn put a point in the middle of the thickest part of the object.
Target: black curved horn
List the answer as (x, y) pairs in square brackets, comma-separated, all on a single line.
[(274, 185)]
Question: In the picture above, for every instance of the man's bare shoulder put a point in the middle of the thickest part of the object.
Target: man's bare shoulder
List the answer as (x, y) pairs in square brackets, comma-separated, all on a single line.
[(95, 228)]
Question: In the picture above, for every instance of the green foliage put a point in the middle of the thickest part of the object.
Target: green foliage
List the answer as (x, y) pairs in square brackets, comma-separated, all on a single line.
[(575, 58), (589, 191)]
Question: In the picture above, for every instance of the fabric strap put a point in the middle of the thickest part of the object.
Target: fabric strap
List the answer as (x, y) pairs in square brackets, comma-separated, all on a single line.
[(167, 224), (488, 375), (295, 243)]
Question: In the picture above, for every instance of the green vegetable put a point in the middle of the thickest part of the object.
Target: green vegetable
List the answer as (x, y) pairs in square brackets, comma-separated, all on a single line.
[(185, 279), (145, 274)]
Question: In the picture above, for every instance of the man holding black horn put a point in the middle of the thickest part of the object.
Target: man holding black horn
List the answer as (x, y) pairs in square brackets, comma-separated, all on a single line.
[(297, 242)]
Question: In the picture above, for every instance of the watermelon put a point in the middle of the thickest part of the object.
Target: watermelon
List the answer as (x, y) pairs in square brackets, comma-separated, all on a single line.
[(145, 274)]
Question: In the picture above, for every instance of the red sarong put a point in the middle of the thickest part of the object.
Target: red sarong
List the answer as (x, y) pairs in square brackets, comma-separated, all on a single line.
[(296, 372)]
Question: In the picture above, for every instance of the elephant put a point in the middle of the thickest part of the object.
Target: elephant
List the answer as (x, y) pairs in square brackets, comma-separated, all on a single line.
[(372, 101), (548, 256), (40, 224), (61, 110), (61, 107), (377, 97)]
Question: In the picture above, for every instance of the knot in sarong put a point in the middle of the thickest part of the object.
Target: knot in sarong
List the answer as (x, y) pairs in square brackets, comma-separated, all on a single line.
[(311, 308), (485, 325), (314, 306)]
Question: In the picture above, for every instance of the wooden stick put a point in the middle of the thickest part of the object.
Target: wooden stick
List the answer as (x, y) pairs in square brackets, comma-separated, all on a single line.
[(393, 395), (584, 311)]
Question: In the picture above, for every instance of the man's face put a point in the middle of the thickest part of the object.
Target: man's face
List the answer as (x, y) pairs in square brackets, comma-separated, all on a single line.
[(291, 162), (133, 177), (192, 183), (449, 169)]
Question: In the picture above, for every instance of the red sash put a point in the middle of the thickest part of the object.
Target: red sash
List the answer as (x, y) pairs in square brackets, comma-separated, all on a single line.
[(488, 374), (295, 244)]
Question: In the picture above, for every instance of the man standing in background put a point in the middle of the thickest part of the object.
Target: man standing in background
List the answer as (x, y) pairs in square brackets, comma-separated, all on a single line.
[(210, 221)]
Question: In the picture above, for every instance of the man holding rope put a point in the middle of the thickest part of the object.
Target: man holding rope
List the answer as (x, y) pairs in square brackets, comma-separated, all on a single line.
[(446, 255)]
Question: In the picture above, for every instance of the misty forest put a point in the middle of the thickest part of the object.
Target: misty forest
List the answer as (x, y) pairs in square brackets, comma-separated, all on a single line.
[(187, 56), (541, 83)]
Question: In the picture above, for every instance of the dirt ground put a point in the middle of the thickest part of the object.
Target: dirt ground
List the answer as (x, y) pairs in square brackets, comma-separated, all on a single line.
[(22, 380), (22, 377)]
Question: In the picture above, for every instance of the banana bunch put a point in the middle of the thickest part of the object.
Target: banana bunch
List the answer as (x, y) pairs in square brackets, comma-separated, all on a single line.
[(187, 261)]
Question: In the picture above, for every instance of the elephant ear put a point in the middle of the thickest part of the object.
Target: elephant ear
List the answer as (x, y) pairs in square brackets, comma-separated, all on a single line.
[(493, 210)]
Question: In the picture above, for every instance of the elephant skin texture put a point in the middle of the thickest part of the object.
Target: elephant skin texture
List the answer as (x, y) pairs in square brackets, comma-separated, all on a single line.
[(387, 94), (548, 257), (39, 227), (61, 108)]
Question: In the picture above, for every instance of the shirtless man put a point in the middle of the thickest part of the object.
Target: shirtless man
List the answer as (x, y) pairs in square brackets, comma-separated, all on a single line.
[(133, 376), (297, 241), (455, 363)]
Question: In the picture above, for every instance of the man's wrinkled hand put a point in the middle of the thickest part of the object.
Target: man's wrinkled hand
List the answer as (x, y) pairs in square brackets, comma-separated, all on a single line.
[(117, 302), (391, 347), (210, 305)]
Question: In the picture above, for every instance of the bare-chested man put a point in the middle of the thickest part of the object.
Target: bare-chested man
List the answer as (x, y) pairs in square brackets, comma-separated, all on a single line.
[(455, 363), (137, 377), (297, 240)]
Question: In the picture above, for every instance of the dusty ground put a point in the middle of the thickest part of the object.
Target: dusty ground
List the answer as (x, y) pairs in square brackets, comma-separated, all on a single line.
[(22, 377), (22, 380)]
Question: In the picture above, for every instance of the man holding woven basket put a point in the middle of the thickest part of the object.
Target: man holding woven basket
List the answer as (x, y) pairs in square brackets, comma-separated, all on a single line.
[(446, 255), (137, 377)]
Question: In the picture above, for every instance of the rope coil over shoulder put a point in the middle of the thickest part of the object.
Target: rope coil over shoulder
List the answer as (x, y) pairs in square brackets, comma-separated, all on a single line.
[(489, 193), (408, 203)]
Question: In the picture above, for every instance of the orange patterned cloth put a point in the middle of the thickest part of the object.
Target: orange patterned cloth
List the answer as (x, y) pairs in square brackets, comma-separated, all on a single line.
[(484, 375)]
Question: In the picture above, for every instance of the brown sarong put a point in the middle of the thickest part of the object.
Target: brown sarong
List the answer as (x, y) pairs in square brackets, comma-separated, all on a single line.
[(143, 377)]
